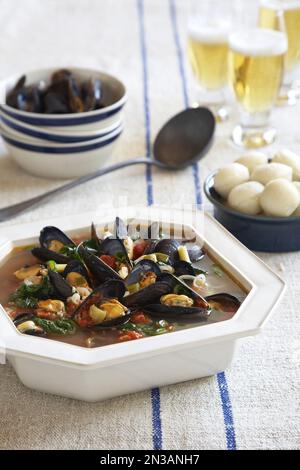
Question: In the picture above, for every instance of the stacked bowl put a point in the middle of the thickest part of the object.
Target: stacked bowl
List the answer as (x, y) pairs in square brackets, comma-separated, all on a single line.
[(63, 145)]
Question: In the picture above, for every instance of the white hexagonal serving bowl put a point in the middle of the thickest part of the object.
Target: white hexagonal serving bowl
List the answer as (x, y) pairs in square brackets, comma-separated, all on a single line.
[(108, 371)]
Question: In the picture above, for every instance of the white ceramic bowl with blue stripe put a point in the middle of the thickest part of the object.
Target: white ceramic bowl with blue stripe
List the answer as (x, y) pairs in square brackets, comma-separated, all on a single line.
[(54, 160), (114, 92), (37, 134)]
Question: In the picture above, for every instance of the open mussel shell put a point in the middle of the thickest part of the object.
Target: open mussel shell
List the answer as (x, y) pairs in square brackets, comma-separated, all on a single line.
[(50, 234), (140, 269), (168, 246), (224, 302), (199, 311), (95, 238), (43, 254), (112, 289), (114, 247), (195, 253), (75, 266), (62, 289), (149, 294), (178, 314), (100, 270), (183, 268), (22, 317), (31, 328), (25, 98)]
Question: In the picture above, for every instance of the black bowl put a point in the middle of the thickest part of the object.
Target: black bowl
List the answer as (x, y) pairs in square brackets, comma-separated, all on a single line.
[(258, 233)]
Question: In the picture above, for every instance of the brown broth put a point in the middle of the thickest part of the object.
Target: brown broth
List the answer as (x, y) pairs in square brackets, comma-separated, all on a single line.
[(20, 257)]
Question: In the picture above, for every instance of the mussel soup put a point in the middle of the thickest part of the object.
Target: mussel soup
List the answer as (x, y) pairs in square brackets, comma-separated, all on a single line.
[(105, 288)]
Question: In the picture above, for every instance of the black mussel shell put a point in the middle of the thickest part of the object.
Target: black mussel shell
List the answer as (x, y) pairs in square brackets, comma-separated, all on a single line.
[(224, 302), (25, 98), (112, 289), (183, 268), (149, 294), (43, 254), (168, 246), (62, 290), (61, 75), (150, 247), (94, 237), (120, 229), (180, 287), (195, 253), (114, 247), (22, 317), (75, 266), (74, 96), (100, 270), (49, 233), (91, 91), (142, 267), (55, 103), (178, 314), (200, 310)]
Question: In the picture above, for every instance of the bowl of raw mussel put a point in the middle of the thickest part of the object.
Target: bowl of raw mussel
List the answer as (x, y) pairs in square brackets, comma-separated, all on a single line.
[(72, 117)]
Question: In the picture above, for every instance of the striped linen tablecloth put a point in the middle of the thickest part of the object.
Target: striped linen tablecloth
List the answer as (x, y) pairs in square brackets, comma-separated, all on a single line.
[(255, 404)]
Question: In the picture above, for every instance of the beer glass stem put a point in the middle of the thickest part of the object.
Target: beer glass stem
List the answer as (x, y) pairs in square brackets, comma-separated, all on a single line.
[(215, 100), (254, 130)]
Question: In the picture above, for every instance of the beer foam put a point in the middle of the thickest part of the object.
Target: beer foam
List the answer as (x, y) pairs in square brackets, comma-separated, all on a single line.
[(258, 42), (211, 33), (280, 4)]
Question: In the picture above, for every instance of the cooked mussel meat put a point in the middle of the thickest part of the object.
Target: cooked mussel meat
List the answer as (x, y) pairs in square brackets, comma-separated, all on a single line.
[(145, 272), (143, 284), (76, 274), (25, 324), (181, 304), (103, 308), (224, 302), (54, 239)]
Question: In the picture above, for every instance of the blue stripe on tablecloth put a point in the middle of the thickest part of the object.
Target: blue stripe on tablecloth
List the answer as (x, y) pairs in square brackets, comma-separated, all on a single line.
[(173, 14), (227, 411), (221, 377), (155, 394), (146, 98)]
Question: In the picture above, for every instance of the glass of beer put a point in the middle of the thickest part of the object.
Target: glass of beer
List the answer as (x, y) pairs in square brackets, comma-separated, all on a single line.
[(256, 66), (284, 15), (208, 31)]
